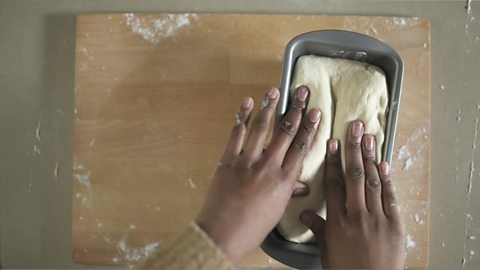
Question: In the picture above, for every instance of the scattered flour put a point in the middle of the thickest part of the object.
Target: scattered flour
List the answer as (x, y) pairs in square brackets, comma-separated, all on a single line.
[(409, 243), (55, 171), (468, 6), (155, 30), (82, 175), (37, 131), (191, 183), (404, 152), (417, 219), (36, 150), (134, 255), (399, 21), (407, 163)]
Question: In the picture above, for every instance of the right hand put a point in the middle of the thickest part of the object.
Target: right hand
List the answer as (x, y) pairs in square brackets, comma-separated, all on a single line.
[(363, 228)]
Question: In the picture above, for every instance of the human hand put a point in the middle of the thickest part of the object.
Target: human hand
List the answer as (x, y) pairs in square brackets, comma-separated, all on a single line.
[(251, 186), (363, 228)]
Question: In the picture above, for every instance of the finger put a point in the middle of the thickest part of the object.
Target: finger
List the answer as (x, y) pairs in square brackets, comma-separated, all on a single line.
[(373, 189), (260, 125), (302, 142), (390, 206), (354, 173), (335, 190), (317, 225), (300, 189), (287, 129), (237, 136)]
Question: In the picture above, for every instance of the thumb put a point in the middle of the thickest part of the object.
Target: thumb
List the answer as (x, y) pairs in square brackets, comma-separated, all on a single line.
[(317, 225), (314, 222)]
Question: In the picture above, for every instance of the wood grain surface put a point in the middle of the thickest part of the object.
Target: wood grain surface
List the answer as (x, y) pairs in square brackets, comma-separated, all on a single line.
[(155, 97)]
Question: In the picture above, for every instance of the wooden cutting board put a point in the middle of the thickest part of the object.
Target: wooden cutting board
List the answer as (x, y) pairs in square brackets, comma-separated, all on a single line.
[(155, 97)]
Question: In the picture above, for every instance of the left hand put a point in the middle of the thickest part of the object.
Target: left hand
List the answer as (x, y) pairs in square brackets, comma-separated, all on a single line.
[(251, 186)]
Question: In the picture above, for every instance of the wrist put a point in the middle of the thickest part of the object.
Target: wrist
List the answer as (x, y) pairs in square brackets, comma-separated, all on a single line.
[(222, 239)]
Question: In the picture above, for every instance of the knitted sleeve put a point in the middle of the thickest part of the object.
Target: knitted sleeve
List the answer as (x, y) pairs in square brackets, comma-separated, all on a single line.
[(192, 249)]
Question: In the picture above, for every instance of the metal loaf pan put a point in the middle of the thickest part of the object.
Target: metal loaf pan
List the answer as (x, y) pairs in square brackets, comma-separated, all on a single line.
[(335, 44)]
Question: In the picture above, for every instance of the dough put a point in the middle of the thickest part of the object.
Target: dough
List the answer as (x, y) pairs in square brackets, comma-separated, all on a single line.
[(344, 90)]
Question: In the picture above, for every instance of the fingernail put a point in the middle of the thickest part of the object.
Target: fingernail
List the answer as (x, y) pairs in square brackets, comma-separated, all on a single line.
[(369, 143), (302, 93), (333, 146), (272, 93), (357, 129), (301, 192), (247, 102), (314, 115), (384, 168)]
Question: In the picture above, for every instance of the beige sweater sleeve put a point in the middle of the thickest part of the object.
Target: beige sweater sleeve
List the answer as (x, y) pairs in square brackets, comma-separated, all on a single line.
[(192, 249)]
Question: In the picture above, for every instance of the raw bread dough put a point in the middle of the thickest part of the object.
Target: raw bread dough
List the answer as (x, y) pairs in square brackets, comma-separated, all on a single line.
[(344, 90)]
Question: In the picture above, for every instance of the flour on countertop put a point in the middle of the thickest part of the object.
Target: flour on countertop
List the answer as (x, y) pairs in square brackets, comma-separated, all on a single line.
[(405, 152), (191, 183), (155, 30), (55, 171), (468, 6), (134, 255), (37, 131), (82, 175), (399, 21), (36, 150), (409, 242)]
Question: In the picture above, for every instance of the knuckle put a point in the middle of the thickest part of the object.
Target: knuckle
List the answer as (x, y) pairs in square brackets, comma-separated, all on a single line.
[(333, 163), (238, 130), (391, 199), (373, 183), (369, 158), (333, 183), (261, 124), (301, 146), (354, 145), (289, 127), (355, 173), (297, 105), (309, 128)]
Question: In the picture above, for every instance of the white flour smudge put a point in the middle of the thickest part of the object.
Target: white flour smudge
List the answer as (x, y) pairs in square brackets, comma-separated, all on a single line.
[(468, 6), (155, 30), (36, 150), (191, 183), (92, 142), (404, 153), (55, 171), (134, 255), (399, 21), (409, 242), (82, 175), (407, 163), (88, 53), (417, 219), (37, 131)]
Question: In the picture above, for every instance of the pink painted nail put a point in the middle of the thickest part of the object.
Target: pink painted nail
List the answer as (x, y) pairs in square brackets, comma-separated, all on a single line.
[(357, 129), (314, 115), (384, 168), (272, 93), (302, 93), (247, 102), (333, 146), (369, 143)]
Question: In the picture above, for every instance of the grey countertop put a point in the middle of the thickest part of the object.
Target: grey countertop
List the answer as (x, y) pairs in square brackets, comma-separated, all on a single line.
[(37, 40)]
